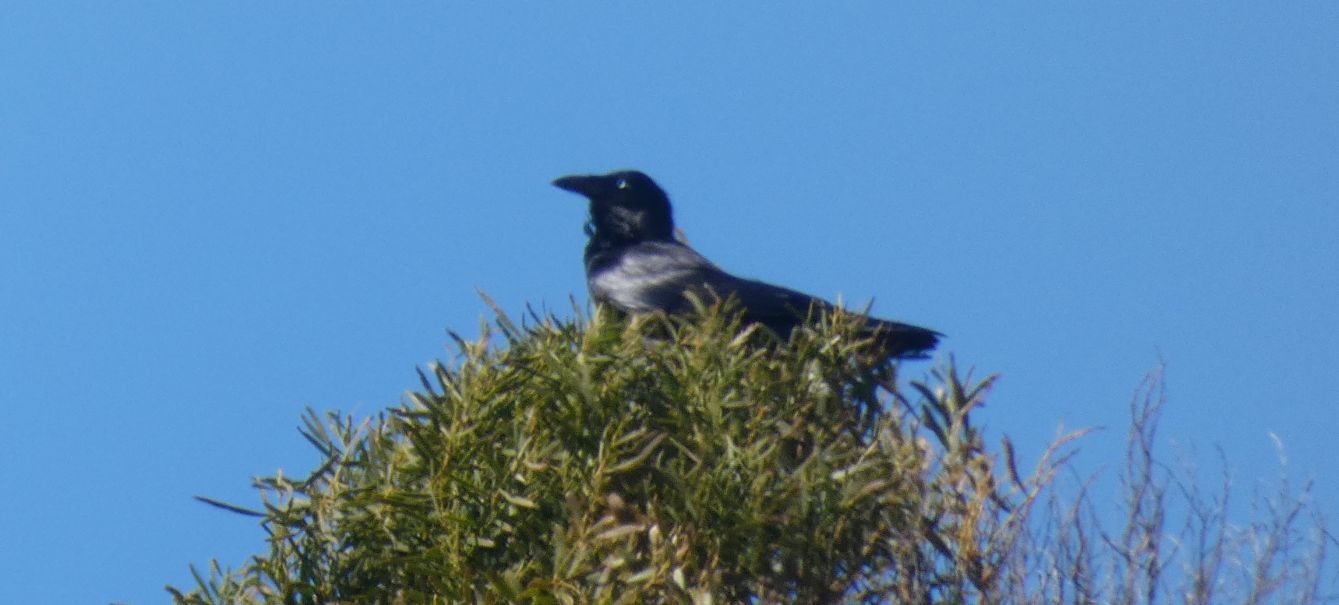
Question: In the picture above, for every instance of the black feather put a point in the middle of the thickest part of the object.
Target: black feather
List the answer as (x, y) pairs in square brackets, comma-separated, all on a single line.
[(634, 263)]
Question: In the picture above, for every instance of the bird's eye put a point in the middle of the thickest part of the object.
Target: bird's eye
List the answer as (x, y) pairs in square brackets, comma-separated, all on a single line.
[(621, 184)]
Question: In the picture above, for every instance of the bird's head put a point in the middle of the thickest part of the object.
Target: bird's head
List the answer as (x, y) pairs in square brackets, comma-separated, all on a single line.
[(625, 206)]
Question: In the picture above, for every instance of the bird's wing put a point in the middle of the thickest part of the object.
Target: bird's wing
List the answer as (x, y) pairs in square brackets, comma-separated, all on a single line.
[(652, 276), (773, 306)]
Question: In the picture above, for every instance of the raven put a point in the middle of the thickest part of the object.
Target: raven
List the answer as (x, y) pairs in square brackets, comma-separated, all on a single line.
[(634, 263)]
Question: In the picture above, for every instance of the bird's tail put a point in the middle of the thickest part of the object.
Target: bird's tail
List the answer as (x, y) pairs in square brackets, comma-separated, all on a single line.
[(903, 341)]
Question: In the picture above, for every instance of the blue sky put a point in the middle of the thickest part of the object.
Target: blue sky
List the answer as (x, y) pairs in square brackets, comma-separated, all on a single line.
[(215, 215)]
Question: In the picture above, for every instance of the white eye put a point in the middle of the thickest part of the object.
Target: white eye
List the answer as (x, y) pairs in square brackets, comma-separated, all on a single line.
[(621, 184)]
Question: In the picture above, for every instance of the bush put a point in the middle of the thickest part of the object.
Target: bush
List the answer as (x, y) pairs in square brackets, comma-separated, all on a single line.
[(667, 460)]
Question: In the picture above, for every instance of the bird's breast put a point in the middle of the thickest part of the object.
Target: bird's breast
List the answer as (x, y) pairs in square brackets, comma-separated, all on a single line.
[(639, 292), (647, 277)]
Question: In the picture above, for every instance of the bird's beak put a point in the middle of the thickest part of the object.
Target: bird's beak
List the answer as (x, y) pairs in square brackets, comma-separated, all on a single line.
[(589, 186)]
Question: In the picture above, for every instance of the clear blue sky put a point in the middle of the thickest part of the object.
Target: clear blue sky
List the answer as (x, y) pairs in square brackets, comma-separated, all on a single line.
[(215, 214)]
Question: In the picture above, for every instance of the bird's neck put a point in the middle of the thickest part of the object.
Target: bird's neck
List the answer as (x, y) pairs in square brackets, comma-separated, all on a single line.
[(605, 246), (613, 230)]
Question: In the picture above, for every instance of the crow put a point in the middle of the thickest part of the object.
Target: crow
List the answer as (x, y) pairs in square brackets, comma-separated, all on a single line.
[(634, 263)]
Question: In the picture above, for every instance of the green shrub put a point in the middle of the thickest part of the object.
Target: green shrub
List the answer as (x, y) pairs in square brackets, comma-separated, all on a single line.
[(683, 461)]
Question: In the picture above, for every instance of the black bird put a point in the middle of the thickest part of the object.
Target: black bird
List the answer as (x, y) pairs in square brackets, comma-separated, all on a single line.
[(634, 263)]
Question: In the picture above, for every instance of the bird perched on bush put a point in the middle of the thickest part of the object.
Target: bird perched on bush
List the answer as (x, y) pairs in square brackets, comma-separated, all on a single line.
[(634, 263)]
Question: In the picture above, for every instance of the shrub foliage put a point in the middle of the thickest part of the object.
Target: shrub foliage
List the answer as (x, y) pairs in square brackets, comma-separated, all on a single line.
[(651, 460)]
